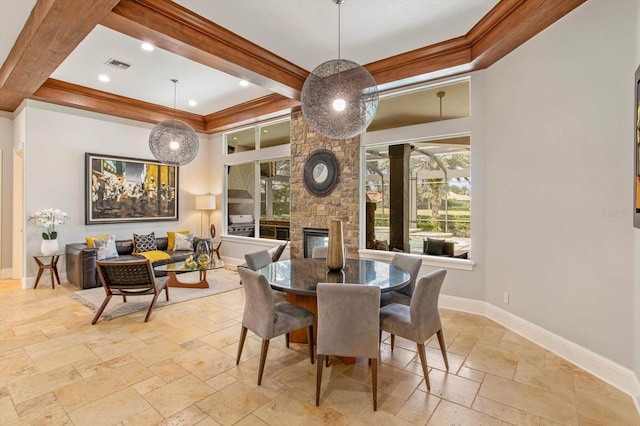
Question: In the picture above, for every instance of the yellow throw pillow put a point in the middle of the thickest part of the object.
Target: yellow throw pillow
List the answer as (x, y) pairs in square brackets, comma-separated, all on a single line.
[(171, 238), (96, 237)]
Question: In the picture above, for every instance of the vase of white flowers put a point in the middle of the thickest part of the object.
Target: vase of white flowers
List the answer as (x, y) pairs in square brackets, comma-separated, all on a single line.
[(49, 218)]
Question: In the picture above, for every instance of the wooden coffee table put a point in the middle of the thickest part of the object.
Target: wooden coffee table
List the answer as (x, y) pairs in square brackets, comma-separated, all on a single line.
[(179, 268)]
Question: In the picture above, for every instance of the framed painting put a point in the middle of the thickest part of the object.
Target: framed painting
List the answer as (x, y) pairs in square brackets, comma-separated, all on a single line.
[(636, 178), (120, 189)]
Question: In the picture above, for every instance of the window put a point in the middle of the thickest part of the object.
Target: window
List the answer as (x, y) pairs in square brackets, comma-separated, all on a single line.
[(438, 189), (274, 190), (258, 171), (416, 189)]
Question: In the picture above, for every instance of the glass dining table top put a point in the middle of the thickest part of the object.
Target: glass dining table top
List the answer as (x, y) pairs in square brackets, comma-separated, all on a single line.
[(301, 276)]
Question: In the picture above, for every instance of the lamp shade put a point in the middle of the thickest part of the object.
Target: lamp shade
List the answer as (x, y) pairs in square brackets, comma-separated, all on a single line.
[(173, 142), (339, 99), (205, 202)]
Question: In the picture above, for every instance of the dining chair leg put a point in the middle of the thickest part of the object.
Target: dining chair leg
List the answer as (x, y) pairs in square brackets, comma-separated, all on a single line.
[(374, 382), (104, 305), (393, 341), (166, 292), (319, 378), (310, 340), (124, 299), (442, 348), (243, 336), (286, 339), (423, 361), (263, 358), (326, 361), (153, 303)]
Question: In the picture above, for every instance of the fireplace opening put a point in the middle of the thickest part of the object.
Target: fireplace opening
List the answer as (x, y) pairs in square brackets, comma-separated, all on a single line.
[(314, 237)]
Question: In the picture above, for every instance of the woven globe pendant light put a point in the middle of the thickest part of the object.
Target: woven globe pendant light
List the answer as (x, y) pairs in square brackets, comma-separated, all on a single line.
[(173, 142), (339, 97)]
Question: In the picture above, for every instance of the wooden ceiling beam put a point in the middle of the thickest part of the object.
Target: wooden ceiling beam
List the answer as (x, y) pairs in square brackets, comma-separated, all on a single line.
[(68, 94), (52, 31), (503, 29), (250, 112), (179, 30), (510, 24), (172, 27)]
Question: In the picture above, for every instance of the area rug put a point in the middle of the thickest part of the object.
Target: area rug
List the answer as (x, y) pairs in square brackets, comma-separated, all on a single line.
[(220, 281)]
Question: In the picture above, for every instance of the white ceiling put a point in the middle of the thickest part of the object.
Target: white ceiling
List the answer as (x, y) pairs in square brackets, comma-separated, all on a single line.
[(304, 32)]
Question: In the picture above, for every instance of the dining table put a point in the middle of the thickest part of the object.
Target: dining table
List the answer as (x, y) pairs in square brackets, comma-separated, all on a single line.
[(300, 277)]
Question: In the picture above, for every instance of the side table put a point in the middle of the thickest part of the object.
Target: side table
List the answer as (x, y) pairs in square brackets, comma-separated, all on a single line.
[(52, 266)]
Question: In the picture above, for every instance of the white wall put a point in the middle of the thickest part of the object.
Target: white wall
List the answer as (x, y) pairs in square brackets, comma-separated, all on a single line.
[(57, 140), (558, 149), (6, 148)]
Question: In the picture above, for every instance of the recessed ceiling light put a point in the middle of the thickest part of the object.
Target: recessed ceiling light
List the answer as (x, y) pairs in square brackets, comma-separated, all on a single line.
[(265, 131), (235, 138), (104, 78), (244, 83), (147, 46), (193, 103)]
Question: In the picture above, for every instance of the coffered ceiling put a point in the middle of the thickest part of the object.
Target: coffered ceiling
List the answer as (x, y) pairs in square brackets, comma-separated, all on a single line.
[(54, 50)]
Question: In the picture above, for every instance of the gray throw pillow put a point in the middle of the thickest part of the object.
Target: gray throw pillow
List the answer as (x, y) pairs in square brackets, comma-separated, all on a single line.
[(435, 247), (106, 247), (183, 242)]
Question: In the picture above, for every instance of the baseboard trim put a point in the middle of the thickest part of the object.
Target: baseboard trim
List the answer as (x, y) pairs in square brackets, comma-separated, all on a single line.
[(6, 273), (45, 280), (603, 368)]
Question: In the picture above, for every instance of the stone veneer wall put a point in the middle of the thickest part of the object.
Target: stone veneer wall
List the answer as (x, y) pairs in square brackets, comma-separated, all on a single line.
[(309, 211)]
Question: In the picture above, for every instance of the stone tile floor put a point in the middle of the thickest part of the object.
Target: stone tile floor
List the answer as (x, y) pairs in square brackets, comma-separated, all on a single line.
[(179, 369)]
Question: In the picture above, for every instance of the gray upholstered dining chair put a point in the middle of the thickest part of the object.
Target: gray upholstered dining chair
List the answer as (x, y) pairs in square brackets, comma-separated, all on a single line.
[(260, 259), (268, 319), (348, 325), (412, 265), (129, 278), (420, 320)]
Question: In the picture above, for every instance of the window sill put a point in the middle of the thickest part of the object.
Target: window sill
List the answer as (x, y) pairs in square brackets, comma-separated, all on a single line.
[(443, 262)]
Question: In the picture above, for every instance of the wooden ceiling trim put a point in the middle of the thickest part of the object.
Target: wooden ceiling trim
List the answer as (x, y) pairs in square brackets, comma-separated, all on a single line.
[(510, 24), (52, 31), (505, 27), (178, 30), (439, 56), (248, 112), (68, 94)]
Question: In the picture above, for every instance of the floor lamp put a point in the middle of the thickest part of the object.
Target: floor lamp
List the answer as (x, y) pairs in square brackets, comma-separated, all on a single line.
[(206, 202)]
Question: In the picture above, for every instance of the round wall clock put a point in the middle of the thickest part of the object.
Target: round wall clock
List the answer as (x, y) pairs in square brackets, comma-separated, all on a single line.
[(321, 172)]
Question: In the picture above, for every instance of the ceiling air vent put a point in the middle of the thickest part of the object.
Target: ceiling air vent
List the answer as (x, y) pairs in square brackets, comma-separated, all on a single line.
[(117, 64)]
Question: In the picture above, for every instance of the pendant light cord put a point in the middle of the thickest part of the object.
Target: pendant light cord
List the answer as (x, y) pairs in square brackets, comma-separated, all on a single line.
[(339, 42), (175, 95)]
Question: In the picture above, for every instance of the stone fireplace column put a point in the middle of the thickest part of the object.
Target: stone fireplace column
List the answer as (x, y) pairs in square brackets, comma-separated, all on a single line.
[(310, 211)]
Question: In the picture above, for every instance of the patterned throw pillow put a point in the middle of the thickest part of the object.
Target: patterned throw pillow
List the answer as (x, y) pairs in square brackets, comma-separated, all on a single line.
[(142, 243), (183, 242), (106, 247)]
